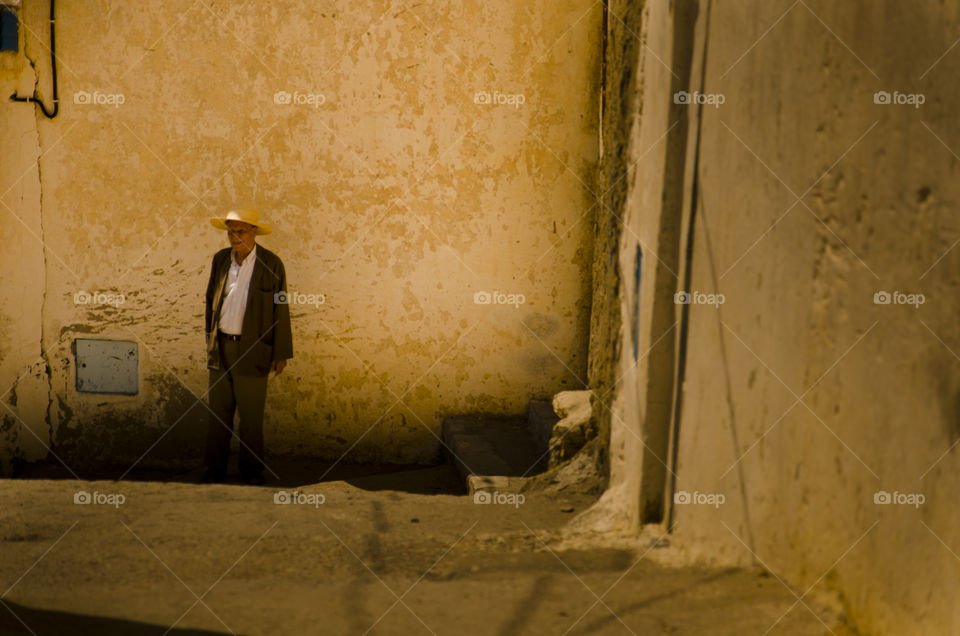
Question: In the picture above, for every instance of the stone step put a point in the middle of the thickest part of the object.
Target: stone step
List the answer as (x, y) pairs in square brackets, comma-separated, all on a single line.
[(494, 452)]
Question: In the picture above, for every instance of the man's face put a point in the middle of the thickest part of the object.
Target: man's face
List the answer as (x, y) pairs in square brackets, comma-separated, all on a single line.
[(242, 236)]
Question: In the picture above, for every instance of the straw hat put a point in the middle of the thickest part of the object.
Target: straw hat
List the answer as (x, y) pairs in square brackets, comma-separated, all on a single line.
[(246, 215)]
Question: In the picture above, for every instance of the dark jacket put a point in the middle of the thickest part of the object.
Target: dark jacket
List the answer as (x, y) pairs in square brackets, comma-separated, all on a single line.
[(266, 334)]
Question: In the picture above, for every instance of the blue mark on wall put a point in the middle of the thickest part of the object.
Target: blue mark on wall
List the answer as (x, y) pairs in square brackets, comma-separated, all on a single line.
[(9, 36), (636, 301)]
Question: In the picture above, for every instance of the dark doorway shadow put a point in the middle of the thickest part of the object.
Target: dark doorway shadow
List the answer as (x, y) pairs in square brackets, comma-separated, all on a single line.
[(436, 480)]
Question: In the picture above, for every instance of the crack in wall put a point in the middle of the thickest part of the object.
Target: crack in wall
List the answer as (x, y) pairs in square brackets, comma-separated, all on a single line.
[(43, 248)]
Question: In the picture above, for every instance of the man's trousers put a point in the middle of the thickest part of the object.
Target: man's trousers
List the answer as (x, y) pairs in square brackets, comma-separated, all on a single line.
[(231, 392)]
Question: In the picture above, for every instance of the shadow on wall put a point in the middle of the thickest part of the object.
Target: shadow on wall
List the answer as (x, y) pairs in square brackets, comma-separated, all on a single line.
[(282, 472)]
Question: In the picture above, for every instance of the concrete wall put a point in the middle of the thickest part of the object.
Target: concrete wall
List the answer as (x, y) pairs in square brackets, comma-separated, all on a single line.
[(395, 196), (801, 399)]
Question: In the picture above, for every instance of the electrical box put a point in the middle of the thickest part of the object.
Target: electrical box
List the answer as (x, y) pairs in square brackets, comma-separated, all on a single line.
[(106, 366)]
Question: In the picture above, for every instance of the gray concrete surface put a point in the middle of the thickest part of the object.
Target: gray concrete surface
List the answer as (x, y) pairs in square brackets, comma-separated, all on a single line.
[(226, 558)]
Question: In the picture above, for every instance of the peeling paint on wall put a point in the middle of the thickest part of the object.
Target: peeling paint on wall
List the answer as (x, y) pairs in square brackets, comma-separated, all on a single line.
[(397, 193)]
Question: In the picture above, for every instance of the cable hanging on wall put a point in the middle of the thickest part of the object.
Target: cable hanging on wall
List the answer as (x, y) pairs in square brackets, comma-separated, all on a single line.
[(53, 66)]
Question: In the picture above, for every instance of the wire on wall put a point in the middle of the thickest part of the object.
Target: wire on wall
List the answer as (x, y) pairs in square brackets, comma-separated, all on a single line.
[(53, 66)]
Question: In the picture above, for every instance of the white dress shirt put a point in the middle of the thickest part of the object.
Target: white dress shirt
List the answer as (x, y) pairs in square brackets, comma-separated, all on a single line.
[(235, 299)]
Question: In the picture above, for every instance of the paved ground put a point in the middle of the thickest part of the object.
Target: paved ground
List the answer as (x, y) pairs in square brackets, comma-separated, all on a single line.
[(199, 559)]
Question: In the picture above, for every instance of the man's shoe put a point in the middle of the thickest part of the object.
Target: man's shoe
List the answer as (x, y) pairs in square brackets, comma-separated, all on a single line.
[(256, 480), (213, 476)]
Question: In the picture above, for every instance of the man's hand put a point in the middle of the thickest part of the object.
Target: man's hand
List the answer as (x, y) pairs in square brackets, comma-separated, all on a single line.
[(277, 366)]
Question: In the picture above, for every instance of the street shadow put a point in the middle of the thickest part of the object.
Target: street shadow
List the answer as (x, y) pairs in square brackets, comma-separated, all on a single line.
[(519, 620), (17, 620), (609, 620)]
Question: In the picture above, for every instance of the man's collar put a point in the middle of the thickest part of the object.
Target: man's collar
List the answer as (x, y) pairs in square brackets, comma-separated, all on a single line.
[(252, 254)]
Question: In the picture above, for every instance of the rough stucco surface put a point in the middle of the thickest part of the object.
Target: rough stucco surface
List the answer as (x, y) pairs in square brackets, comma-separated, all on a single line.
[(25, 388), (824, 397), (397, 199), (621, 110), (635, 188), (877, 383)]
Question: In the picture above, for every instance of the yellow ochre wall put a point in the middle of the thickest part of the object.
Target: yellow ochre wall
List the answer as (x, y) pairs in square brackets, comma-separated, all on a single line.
[(362, 132)]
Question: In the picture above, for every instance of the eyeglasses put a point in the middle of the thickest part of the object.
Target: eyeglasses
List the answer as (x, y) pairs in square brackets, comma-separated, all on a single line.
[(242, 232)]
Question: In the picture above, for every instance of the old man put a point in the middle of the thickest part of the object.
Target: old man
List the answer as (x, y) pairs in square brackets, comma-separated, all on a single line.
[(248, 335)]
